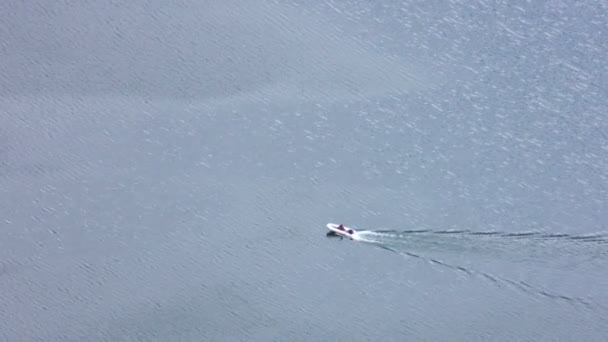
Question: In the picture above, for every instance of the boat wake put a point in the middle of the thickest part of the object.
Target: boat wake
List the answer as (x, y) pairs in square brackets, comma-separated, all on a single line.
[(564, 251)]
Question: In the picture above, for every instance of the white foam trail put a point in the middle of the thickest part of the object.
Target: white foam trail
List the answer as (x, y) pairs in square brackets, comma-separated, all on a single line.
[(364, 236), (391, 241)]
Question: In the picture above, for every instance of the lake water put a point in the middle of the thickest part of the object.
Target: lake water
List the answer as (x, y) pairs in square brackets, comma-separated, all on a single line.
[(167, 171)]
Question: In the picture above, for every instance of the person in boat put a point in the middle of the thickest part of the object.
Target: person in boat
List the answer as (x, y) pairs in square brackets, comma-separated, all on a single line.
[(340, 227), (350, 231), (332, 233)]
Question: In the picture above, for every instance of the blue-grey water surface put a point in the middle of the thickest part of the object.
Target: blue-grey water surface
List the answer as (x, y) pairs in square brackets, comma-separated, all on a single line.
[(167, 170)]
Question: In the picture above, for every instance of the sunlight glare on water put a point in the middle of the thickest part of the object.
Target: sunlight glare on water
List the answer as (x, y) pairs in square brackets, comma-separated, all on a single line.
[(168, 168)]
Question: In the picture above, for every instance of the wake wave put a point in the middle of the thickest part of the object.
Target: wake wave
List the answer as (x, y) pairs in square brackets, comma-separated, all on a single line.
[(528, 247), (408, 243), (594, 238)]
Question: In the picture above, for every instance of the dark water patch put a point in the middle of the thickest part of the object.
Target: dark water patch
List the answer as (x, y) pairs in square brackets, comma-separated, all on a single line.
[(451, 232), (592, 238), (555, 236), (517, 235), (484, 233)]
